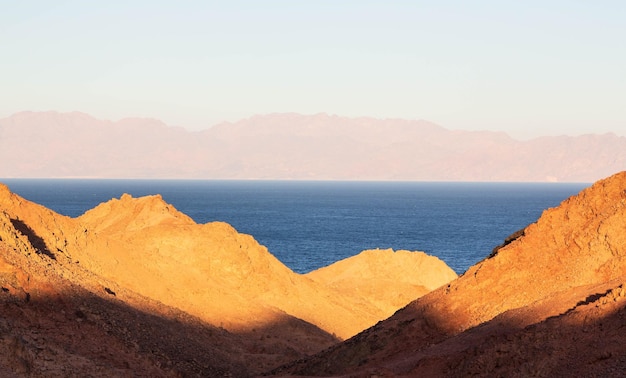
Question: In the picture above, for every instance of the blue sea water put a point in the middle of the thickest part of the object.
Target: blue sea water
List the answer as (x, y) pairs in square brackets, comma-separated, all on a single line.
[(310, 224)]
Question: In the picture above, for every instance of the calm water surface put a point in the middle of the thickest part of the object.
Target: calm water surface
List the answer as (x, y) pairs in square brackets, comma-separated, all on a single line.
[(308, 225)]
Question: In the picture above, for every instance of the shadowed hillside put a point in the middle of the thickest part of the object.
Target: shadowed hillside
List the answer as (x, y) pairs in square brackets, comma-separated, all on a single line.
[(549, 303), (134, 285)]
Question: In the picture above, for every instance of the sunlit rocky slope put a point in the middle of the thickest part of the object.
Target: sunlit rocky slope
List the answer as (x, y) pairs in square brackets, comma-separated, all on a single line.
[(551, 302), (135, 287)]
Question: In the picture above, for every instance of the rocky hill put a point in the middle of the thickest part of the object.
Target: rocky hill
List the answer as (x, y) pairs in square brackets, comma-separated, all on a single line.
[(550, 302), (135, 287), (292, 146)]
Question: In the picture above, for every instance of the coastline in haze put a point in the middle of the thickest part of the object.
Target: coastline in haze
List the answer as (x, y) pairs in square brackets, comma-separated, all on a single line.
[(295, 147)]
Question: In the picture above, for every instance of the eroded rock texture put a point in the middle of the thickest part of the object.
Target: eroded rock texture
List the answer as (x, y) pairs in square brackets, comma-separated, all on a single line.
[(135, 287), (548, 303)]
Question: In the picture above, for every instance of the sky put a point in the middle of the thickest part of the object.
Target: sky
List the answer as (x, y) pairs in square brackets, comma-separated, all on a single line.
[(527, 68)]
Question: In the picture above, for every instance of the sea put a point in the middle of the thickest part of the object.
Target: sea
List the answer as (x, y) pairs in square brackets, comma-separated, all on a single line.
[(311, 224)]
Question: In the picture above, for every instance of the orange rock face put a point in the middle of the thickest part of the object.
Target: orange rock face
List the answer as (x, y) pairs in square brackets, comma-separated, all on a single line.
[(549, 303), (135, 287), (152, 286), (369, 275)]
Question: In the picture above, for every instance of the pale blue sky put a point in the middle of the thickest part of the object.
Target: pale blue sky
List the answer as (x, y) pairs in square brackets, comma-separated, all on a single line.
[(524, 67)]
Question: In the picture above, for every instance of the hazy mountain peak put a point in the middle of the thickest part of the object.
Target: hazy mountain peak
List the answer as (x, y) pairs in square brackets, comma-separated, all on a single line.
[(295, 146)]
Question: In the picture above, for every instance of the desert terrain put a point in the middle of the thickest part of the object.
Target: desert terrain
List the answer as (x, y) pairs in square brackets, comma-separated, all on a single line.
[(133, 287), (549, 303), (199, 299)]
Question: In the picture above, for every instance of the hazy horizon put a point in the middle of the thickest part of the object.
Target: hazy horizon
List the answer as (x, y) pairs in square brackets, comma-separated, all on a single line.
[(527, 69), (293, 146), (621, 133)]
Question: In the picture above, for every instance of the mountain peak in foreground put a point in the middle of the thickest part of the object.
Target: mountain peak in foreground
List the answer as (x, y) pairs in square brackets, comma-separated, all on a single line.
[(135, 287), (552, 302), (293, 146)]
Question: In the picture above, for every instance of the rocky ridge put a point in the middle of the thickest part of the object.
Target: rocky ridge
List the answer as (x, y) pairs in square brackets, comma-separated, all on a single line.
[(548, 303), (159, 295)]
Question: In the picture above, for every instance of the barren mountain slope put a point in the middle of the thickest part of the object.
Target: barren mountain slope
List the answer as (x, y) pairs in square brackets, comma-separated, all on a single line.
[(214, 272), (53, 327), (134, 260), (562, 279), (370, 274)]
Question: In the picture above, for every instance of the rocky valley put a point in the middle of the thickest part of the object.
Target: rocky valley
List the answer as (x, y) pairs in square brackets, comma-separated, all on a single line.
[(133, 287), (134, 275)]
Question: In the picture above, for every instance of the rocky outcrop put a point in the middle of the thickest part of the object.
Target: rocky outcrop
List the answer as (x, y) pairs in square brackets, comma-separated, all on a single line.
[(158, 294), (547, 303), (369, 274)]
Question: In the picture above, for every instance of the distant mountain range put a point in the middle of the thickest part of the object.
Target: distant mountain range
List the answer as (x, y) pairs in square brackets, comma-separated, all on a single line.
[(293, 146)]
